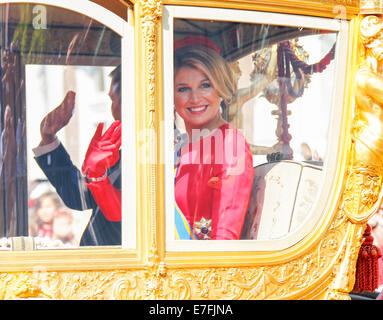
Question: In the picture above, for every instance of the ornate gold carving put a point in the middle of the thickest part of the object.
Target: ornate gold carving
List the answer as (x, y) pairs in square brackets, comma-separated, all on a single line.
[(363, 188), (362, 193), (151, 11), (354, 3), (299, 277), (146, 284), (364, 181), (329, 263), (371, 6), (348, 3), (346, 264), (324, 270), (154, 276)]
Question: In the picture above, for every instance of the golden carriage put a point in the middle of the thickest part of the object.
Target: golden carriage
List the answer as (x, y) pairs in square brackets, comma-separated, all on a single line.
[(311, 213)]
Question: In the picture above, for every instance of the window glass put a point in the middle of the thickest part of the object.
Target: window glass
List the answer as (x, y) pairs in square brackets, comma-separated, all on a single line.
[(60, 128), (252, 107)]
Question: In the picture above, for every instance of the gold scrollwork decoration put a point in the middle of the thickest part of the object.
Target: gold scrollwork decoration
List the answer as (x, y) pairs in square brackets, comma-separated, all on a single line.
[(362, 193), (371, 6), (325, 270), (151, 11), (298, 278), (365, 175), (281, 281)]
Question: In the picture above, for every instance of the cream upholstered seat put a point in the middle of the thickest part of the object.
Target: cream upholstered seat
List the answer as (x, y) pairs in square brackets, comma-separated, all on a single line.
[(282, 196)]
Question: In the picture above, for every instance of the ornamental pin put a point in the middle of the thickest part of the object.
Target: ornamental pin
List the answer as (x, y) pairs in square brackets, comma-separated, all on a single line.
[(202, 229)]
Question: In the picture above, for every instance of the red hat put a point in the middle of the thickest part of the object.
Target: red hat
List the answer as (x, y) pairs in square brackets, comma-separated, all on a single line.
[(190, 41)]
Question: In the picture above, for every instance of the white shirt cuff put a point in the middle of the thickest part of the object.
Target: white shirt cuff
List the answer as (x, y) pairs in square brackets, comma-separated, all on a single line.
[(46, 148)]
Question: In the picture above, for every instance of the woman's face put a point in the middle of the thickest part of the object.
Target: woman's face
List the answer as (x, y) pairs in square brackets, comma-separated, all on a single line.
[(195, 99)]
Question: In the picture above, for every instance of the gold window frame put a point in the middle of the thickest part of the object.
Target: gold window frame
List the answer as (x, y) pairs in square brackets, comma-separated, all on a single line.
[(337, 119), (25, 262), (321, 267)]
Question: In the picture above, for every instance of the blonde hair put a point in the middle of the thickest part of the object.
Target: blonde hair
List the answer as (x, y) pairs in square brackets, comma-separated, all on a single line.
[(213, 65)]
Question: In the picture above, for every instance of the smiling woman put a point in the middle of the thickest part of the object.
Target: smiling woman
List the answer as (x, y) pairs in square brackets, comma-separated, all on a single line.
[(214, 169)]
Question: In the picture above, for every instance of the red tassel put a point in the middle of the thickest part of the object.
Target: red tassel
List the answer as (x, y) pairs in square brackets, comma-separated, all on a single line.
[(367, 271)]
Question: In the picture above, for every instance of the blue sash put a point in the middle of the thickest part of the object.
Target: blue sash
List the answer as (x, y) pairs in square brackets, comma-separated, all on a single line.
[(182, 228)]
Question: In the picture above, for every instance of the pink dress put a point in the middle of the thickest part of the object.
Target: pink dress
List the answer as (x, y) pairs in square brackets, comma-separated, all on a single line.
[(213, 183)]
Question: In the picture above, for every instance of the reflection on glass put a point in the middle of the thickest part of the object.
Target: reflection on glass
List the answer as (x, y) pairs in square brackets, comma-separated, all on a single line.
[(252, 106), (60, 91)]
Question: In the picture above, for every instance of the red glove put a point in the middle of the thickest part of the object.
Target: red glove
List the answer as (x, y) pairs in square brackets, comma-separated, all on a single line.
[(108, 198), (103, 151)]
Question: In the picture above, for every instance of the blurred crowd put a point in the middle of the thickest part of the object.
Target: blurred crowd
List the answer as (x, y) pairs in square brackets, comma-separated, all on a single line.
[(50, 220)]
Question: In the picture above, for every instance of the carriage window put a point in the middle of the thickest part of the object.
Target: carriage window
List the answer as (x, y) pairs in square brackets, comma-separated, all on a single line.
[(252, 107), (60, 128)]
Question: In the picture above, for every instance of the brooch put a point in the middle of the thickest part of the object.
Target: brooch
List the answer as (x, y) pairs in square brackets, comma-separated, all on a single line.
[(202, 229)]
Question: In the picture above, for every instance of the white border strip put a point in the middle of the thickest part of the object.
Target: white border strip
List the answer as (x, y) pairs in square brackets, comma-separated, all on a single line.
[(128, 115), (168, 127)]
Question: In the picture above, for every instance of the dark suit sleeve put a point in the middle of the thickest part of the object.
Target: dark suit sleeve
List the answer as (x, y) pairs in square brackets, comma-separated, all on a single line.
[(66, 178)]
